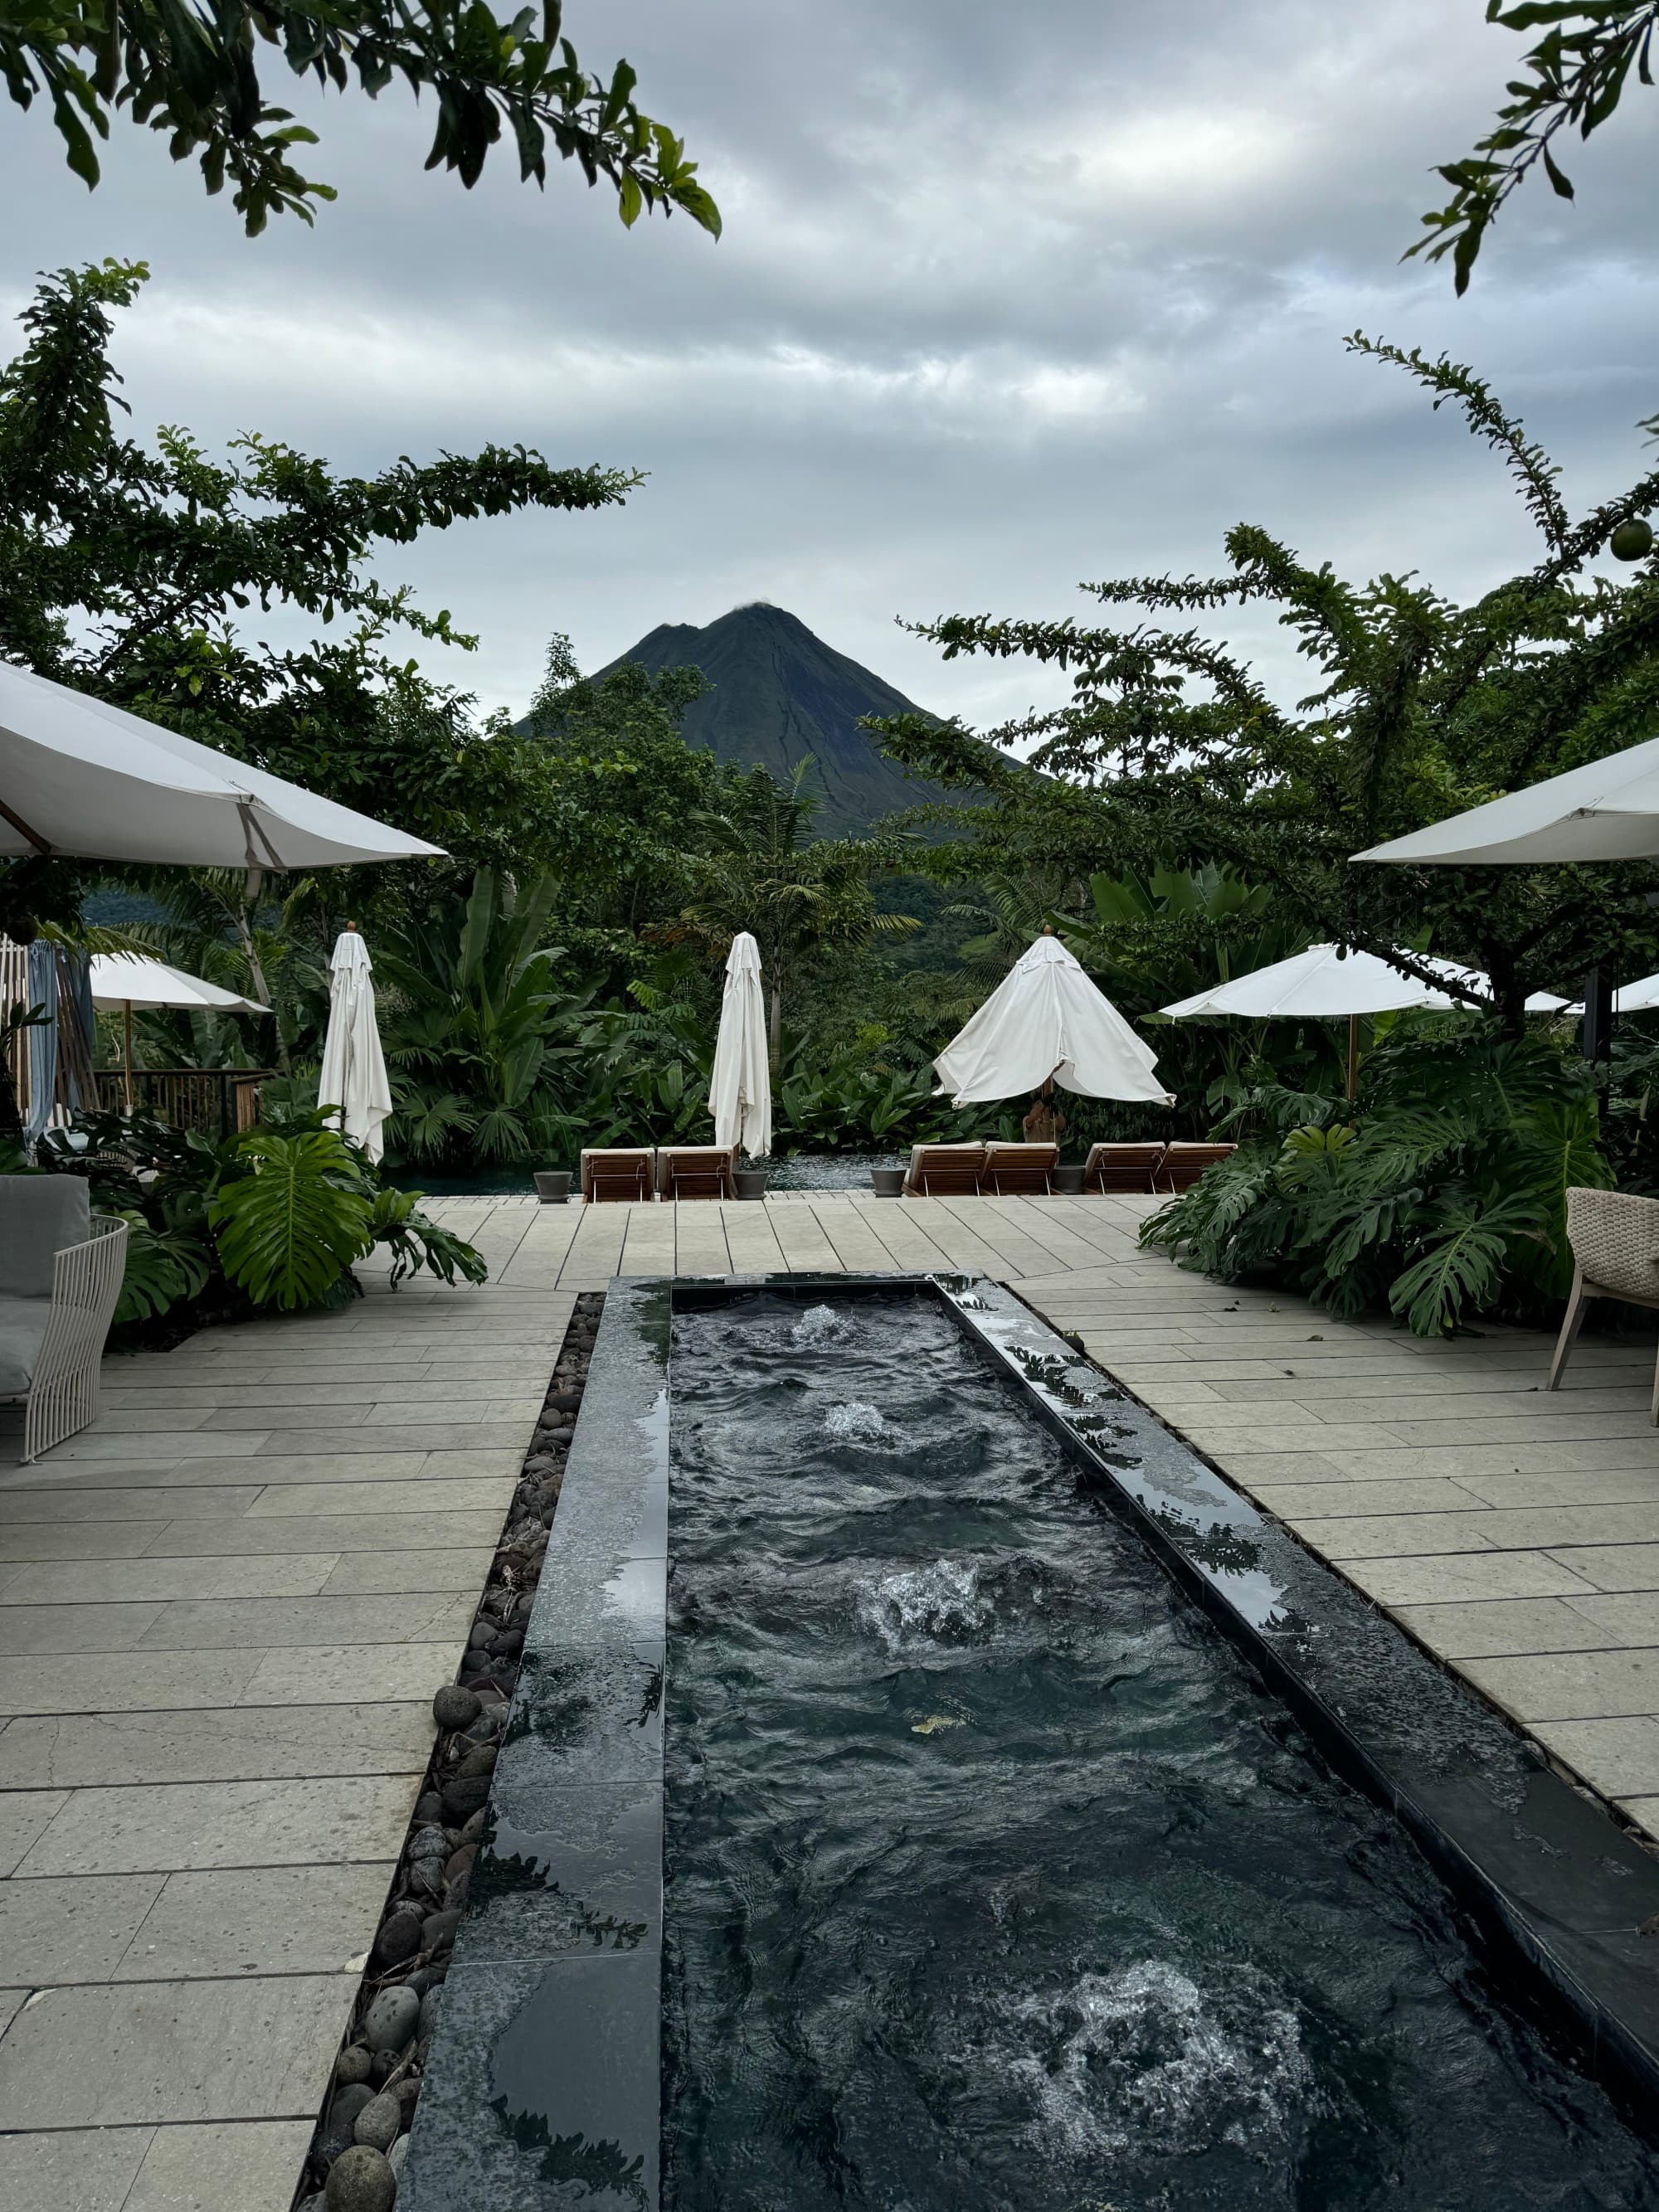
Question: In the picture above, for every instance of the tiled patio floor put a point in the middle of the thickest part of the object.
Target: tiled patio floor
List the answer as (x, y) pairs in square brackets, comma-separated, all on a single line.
[(223, 1610)]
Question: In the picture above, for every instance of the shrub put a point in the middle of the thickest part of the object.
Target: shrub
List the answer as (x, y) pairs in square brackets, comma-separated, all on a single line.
[(1442, 1192)]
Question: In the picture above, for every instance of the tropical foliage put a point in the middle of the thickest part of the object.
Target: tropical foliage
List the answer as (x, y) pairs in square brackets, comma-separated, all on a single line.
[(1440, 1194), (195, 74), (273, 1217)]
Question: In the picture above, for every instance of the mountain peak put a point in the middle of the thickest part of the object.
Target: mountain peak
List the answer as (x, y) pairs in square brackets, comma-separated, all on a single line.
[(781, 694)]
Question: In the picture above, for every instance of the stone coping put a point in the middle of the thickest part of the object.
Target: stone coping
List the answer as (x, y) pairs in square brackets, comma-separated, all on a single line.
[(544, 2088)]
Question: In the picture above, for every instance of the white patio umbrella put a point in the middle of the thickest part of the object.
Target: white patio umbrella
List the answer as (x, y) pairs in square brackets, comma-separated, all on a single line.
[(82, 778), (1327, 982), (1637, 998), (354, 1077), (1608, 810), (129, 980), (1324, 983), (1046, 1022), (740, 1088)]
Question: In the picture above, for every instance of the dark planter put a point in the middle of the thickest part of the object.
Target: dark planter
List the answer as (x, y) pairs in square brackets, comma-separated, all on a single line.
[(553, 1186), (750, 1182), (887, 1182), (1068, 1180)]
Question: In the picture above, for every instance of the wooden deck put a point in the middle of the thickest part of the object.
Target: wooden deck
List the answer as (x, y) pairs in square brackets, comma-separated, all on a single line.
[(224, 1607)]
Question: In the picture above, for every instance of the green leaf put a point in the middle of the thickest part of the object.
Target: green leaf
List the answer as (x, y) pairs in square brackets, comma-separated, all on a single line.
[(287, 1231)]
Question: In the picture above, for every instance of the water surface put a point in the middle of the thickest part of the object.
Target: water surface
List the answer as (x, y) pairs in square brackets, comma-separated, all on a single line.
[(996, 1880)]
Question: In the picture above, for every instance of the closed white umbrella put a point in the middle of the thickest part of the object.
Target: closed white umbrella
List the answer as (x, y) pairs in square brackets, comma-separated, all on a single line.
[(1608, 810), (80, 777), (354, 1077), (129, 980), (740, 1088), (1046, 1021)]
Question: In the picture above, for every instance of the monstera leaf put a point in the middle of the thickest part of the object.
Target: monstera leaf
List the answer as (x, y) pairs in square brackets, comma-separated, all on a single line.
[(287, 1232), (163, 1266)]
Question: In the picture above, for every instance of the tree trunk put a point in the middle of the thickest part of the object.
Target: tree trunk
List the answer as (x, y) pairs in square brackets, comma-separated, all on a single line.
[(774, 1025)]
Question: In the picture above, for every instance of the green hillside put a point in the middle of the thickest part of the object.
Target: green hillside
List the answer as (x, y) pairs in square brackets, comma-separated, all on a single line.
[(780, 695)]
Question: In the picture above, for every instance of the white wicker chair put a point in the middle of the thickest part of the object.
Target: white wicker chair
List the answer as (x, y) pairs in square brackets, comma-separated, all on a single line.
[(57, 1300), (1615, 1249)]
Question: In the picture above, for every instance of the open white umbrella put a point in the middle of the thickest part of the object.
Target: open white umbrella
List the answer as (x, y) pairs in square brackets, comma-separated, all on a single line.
[(1046, 1021), (1637, 998), (1329, 982), (1608, 810), (354, 1077), (740, 1087), (80, 777), (129, 980)]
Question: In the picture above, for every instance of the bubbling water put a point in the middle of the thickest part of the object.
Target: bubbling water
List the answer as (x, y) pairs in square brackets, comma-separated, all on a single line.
[(1144, 2059), (922, 1604), (819, 1326), (856, 1424)]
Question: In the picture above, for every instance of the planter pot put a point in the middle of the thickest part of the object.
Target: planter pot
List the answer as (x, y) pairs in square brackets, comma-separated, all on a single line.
[(1068, 1180), (553, 1186), (887, 1182), (750, 1182)]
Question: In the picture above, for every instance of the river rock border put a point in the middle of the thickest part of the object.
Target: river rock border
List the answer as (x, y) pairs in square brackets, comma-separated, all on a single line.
[(357, 2153)]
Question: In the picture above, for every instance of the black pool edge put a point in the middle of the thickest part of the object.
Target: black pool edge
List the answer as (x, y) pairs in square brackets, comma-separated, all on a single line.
[(543, 2087)]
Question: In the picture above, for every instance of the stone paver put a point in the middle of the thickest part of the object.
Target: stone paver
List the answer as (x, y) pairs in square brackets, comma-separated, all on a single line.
[(276, 1532), (223, 1611)]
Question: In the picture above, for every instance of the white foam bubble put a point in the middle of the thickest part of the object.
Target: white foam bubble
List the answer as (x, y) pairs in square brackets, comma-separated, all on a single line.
[(1146, 2061), (819, 1326), (856, 1424), (923, 1604)]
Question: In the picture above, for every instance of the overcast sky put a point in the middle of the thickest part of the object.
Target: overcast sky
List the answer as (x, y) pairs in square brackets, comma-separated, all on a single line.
[(1008, 298)]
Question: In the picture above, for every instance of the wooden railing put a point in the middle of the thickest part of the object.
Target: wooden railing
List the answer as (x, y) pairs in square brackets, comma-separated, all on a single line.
[(217, 1101)]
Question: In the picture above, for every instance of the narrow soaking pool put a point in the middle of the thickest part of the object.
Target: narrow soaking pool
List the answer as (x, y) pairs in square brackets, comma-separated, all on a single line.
[(995, 1879)]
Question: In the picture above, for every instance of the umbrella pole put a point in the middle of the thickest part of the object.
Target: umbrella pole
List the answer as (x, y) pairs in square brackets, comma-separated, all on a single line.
[(127, 1058), (1353, 1054)]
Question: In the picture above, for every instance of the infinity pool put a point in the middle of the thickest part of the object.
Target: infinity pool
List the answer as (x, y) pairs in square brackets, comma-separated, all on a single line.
[(996, 1880)]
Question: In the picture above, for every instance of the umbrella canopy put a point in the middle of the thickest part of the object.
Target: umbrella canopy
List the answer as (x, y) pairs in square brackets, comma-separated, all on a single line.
[(1321, 984), (740, 1088), (354, 1077), (80, 777), (1637, 998), (1607, 811), (128, 978), (1047, 1020)]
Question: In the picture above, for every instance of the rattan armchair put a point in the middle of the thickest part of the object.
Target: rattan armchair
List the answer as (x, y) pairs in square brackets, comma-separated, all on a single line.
[(60, 1267), (1615, 1251)]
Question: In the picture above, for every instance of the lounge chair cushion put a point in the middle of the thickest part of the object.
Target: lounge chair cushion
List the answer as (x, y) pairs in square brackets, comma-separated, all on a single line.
[(22, 1331), (39, 1217)]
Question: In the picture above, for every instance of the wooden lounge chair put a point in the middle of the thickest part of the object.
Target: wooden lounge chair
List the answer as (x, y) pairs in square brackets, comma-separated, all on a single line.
[(1124, 1167), (944, 1170), (618, 1176), (1182, 1164), (1615, 1236), (1019, 1168), (696, 1172)]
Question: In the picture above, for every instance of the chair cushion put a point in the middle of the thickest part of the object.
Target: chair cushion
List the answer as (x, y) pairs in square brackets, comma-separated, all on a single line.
[(22, 1328), (39, 1217)]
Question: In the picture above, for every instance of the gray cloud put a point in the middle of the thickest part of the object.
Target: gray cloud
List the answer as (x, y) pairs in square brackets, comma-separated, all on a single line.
[(1006, 299)]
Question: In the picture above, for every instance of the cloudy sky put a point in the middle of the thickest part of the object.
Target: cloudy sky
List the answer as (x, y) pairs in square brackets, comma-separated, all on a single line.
[(1008, 298)]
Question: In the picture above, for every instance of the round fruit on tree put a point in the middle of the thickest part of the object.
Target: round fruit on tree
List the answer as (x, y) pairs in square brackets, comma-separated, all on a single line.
[(1633, 540)]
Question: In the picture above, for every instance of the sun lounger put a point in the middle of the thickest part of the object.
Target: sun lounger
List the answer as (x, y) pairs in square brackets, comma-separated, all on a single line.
[(1123, 1167), (620, 1174), (944, 1170), (1182, 1164), (1019, 1168), (696, 1172)]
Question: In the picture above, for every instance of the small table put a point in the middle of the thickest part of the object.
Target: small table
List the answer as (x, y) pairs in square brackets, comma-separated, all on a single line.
[(1069, 1181)]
